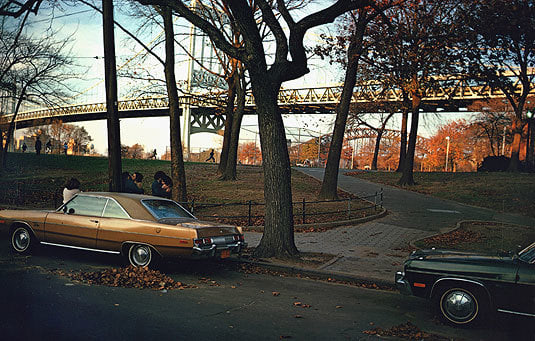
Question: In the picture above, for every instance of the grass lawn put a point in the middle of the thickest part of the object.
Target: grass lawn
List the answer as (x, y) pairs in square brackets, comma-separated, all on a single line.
[(37, 181), (482, 237), (501, 191)]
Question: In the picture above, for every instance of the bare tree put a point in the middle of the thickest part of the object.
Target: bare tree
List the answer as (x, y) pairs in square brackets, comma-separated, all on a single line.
[(500, 43), (289, 62), (356, 23), (40, 74), (411, 52)]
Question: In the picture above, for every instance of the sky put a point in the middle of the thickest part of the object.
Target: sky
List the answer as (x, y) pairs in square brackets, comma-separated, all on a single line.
[(85, 26)]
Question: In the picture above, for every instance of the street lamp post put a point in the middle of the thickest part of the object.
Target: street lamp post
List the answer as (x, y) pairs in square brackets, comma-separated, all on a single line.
[(447, 151)]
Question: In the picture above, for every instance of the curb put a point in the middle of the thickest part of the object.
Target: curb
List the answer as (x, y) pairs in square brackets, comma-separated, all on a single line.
[(381, 214), (320, 274)]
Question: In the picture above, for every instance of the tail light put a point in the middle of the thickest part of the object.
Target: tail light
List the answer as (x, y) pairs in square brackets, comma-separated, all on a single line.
[(238, 238), (202, 241)]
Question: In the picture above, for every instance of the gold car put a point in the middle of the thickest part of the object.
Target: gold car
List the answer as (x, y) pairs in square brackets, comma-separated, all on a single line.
[(140, 227)]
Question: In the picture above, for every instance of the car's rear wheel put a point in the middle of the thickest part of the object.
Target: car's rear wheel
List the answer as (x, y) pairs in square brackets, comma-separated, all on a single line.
[(21, 239), (140, 255), (460, 305)]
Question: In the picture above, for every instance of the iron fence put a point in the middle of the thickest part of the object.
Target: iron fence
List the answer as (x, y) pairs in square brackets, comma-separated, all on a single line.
[(21, 194), (302, 209)]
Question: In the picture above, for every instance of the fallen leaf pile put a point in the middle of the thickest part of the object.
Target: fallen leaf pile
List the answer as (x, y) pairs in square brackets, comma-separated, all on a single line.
[(406, 331), (453, 238), (129, 277)]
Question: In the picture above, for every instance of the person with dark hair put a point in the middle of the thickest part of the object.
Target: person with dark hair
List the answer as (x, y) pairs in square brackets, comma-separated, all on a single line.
[(72, 187), (128, 185), (137, 177), (157, 185), (38, 146), (167, 187)]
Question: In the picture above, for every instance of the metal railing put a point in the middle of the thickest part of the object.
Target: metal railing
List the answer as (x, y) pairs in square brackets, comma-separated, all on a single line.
[(302, 209), (249, 213)]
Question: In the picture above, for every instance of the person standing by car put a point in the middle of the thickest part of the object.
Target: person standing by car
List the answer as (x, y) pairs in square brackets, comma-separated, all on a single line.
[(167, 186), (162, 184), (137, 177), (72, 187), (24, 147), (128, 185)]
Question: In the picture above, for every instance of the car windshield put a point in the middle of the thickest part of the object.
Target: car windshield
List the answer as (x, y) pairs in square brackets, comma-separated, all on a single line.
[(528, 254), (162, 209)]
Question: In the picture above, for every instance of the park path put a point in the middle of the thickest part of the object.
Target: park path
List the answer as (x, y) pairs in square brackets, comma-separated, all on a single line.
[(375, 250)]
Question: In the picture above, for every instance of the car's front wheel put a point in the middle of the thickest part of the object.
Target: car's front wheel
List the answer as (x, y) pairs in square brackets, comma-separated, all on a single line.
[(140, 255), (21, 239), (460, 305)]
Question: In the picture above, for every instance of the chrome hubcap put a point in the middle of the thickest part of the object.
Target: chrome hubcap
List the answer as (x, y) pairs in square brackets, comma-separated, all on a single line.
[(141, 255), (459, 305), (21, 239)]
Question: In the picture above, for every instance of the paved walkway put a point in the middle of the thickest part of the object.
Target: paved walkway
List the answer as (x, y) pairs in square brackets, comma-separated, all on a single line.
[(375, 250)]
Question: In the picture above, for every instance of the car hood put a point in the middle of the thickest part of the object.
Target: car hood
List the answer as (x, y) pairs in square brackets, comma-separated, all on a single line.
[(457, 256), (462, 263)]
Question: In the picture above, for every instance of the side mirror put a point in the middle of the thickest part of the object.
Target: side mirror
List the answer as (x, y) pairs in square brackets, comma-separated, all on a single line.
[(64, 209)]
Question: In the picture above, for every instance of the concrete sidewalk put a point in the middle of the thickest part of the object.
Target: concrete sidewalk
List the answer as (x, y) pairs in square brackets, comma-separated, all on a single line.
[(375, 250)]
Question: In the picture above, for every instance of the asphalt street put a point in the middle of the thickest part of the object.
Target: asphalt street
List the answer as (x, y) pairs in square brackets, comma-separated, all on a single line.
[(38, 304)]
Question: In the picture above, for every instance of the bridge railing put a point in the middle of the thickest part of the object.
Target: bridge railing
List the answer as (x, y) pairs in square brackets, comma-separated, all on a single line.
[(452, 89)]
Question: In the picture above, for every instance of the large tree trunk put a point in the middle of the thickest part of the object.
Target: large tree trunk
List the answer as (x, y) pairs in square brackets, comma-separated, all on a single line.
[(403, 140), (178, 174), (9, 138), (230, 170), (407, 178), (110, 73), (329, 186), (278, 238), (229, 119), (2, 164), (515, 147), (377, 147)]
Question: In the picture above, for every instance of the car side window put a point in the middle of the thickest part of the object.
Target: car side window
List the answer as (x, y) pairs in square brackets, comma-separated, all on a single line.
[(85, 205), (114, 210)]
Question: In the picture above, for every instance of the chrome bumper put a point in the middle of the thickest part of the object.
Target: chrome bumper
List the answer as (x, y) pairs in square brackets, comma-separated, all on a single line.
[(215, 249), (402, 284)]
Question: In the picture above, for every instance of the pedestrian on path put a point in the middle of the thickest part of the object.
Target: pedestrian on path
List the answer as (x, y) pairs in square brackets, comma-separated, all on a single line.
[(211, 156), (38, 146)]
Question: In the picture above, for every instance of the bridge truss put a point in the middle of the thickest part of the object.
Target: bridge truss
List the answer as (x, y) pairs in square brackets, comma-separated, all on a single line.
[(207, 109)]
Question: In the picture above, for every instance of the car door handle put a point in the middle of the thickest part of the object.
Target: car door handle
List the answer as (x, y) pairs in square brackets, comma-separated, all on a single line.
[(93, 221)]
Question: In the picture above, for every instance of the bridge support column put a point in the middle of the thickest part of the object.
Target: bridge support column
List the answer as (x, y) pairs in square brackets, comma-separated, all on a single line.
[(186, 130)]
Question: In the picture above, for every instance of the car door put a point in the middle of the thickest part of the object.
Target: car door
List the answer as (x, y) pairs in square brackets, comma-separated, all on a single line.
[(524, 297), (77, 223)]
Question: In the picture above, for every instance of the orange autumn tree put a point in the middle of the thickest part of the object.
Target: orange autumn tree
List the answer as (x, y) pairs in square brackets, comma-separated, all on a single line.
[(464, 150), (249, 154)]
